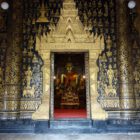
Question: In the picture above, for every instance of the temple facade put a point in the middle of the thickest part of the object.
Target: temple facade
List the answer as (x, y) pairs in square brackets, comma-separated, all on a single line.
[(70, 63)]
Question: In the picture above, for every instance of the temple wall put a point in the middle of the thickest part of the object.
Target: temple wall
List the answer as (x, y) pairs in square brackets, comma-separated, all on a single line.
[(22, 67)]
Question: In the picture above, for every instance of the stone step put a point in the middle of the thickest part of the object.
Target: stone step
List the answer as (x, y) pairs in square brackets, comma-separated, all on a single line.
[(61, 124)]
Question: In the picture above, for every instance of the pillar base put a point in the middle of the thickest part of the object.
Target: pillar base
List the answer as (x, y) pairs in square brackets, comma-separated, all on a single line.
[(113, 115), (124, 115), (129, 114)]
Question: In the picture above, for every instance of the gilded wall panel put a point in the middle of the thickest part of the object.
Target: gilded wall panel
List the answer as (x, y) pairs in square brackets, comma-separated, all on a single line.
[(135, 38), (12, 65)]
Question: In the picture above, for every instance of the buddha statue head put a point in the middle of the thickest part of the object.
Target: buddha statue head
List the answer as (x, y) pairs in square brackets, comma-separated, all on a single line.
[(69, 67)]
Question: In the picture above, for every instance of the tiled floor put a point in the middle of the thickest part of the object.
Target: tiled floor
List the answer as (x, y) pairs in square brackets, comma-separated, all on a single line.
[(70, 137)]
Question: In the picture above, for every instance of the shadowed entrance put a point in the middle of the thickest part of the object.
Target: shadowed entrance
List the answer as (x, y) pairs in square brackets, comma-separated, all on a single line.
[(69, 85)]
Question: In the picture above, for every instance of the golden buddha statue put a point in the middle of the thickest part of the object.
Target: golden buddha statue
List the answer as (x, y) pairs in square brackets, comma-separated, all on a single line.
[(67, 87), (70, 78)]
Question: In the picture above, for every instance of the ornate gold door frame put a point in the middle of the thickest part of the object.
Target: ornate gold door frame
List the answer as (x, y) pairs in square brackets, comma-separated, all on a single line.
[(69, 35), (86, 67), (45, 111)]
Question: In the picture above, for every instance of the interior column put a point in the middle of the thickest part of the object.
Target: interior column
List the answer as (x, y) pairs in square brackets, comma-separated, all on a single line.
[(127, 97), (13, 63)]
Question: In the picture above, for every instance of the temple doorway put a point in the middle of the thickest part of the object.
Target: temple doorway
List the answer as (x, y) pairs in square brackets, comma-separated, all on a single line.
[(69, 85)]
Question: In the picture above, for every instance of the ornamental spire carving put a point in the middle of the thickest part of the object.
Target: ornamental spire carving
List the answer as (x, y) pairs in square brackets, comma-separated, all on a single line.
[(43, 10), (69, 28)]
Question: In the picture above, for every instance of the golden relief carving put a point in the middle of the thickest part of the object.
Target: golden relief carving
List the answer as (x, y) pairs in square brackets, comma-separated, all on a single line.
[(108, 78), (31, 63), (13, 61), (12, 69), (28, 91), (29, 105), (110, 74), (109, 89), (110, 103), (43, 11)]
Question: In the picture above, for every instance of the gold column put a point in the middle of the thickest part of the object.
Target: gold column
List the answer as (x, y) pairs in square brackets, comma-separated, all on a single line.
[(13, 62), (127, 97)]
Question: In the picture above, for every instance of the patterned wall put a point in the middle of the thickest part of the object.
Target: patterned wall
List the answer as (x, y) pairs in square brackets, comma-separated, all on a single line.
[(98, 16), (3, 44), (135, 39)]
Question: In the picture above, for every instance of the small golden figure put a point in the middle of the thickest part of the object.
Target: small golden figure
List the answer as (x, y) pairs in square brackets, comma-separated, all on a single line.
[(28, 75), (110, 74), (109, 42)]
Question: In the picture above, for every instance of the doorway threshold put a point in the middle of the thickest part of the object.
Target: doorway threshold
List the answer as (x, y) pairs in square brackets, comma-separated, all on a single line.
[(70, 113), (70, 123)]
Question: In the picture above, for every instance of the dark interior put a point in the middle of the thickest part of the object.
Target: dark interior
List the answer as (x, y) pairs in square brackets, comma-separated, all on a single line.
[(69, 81)]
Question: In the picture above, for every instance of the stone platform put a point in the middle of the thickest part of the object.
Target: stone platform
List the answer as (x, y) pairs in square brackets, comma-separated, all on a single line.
[(70, 126), (70, 137)]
